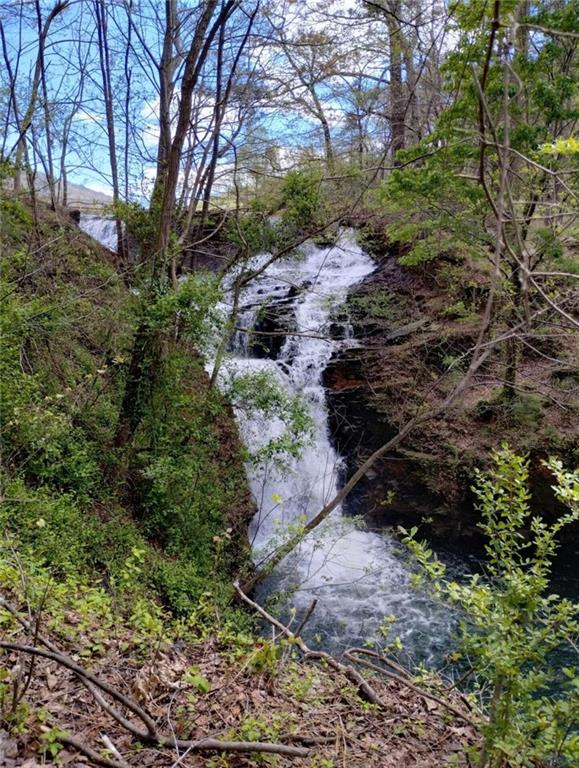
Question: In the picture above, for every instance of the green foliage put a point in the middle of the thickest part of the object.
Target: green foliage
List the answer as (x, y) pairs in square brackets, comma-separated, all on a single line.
[(300, 682), (512, 622), (259, 392), (7, 168), (527, 411), (302, 206), (186, 480), (322, 762), (457, 310), (50, 743), (192, 306), (258, 729), (302, 198), (372, 305), (431, 210), (436, 203), (264, 657), (197, 680), (568, 146), (254, 233), (547, 245), (15, 217), (142, 223), (56, 528), (67, 332)]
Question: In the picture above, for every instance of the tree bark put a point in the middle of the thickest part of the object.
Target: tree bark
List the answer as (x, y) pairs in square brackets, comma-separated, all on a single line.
[(397, 102), (105, 66), (166, 183)]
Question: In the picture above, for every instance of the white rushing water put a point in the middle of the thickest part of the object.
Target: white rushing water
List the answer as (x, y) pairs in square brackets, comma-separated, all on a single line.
[(358, 576), (100, 228)]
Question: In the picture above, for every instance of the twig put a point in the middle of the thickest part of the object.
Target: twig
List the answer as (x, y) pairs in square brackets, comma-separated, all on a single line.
[(64, 661), (151, 735), (92, 755), (352, 674), (380, 657), (420, 691), (306, 618), (111, 747)]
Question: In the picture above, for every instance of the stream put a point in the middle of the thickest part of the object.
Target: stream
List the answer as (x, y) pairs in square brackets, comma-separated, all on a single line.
[(358, 576)]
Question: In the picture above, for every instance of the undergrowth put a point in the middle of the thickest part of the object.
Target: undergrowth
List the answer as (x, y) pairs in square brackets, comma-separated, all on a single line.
[(68, 320)]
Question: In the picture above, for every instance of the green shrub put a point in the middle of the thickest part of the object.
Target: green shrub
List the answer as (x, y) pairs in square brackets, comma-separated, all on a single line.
[(64, 350), (302, 199), (15, 217), (512, 623)]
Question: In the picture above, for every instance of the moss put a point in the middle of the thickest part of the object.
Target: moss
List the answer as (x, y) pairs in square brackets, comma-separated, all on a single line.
[(15, 217)]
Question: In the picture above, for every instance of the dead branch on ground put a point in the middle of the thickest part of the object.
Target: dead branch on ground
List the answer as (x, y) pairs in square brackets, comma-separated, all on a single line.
[(365, 689)]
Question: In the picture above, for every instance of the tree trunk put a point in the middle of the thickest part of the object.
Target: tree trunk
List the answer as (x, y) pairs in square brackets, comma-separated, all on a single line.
[(142, 369), (166, 185), (397, 104), (105, 66), (46, 113), (146, 355), (166, 72), (43, 30)]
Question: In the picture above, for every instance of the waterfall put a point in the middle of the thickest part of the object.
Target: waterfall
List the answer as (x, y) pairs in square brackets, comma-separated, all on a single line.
[(358, 576), (100, 228)]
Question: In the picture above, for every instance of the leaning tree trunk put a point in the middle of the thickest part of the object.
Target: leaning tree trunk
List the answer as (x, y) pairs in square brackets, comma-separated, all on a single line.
[(146, 355)]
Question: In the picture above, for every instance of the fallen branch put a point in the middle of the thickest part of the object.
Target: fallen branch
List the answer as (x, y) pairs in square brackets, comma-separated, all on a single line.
[(93, 756), (150, 736), (151, 730), (384, 659), (306, 618), (352, 674), (406, 682)]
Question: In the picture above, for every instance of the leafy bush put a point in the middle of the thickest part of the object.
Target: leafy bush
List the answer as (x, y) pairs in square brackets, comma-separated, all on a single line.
[(376, 304), (302, 198), (260, 392), (513, 623), (254, 233), (15, 216), (64, 352), (64, 534)]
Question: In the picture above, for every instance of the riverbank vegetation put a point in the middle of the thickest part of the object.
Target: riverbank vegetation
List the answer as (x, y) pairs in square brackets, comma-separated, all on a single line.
[(228, 136)]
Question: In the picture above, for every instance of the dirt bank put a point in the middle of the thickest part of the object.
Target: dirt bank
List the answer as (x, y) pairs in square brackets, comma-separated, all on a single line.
[(416, 328)]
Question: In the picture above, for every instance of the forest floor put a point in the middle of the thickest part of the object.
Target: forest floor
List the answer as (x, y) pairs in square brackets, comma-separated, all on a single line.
[(225, 685)]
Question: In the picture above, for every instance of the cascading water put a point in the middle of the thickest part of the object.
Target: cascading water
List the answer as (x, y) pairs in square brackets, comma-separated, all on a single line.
[(100, 228), (358, 576)]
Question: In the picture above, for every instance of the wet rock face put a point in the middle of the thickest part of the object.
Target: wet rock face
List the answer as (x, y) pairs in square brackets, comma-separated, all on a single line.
[(355, 425), (272, 324), (394, 491)]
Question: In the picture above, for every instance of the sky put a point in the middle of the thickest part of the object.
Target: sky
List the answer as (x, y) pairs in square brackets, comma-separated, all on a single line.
[(290, 127)]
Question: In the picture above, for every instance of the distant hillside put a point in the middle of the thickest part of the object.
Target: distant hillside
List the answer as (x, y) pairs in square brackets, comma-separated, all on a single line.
[(78, 195)]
